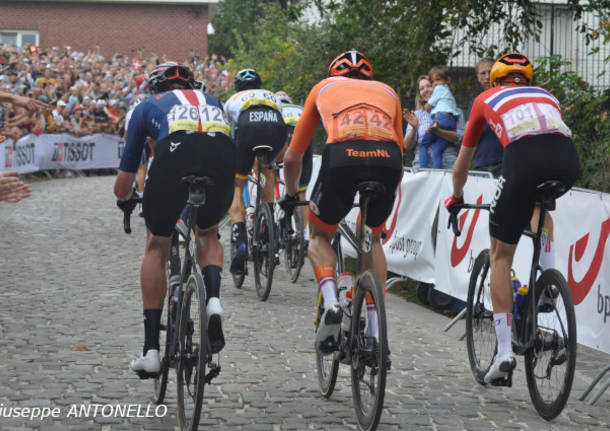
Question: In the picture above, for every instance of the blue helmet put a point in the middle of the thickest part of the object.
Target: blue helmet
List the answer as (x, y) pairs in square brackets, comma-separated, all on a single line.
[(247, 79)]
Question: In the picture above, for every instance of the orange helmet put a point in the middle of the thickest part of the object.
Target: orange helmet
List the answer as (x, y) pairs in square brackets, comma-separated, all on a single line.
[(352, 64), (511, 63)]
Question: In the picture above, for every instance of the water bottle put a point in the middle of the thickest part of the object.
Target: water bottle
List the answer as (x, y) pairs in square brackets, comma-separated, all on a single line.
[(516, 285), (345, 283), (250, 212), (520, 300), (173, 292)]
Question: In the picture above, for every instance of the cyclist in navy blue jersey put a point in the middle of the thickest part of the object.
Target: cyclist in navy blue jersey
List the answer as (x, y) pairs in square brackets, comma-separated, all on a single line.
[(192, 138)]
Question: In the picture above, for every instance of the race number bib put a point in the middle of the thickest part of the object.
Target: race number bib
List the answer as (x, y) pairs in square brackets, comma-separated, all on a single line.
[(533, 119), (291, 114), (202, 118), (250, 98), (362, 122)]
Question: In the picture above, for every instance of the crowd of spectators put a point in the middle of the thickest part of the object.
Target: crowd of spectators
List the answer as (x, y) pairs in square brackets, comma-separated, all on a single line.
[(83, 92)]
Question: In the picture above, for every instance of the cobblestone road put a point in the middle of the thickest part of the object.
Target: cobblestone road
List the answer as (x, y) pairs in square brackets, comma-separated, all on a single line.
[(71, 320)]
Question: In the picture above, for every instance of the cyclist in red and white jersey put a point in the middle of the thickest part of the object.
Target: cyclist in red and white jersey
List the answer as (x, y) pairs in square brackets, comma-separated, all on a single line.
[(537, 147)]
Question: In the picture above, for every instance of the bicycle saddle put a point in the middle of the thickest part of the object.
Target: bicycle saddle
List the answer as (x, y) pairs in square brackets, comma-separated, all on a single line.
[(370, 188), (548, 191), (193, 180), (262, 152)]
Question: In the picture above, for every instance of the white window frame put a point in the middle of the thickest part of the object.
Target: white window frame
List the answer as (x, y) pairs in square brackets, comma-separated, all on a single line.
[(21, 33)]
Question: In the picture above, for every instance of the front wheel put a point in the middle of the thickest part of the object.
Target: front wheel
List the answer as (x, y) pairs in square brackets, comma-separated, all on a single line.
[(192, 354), (370, 352), (294, 254), (263, 250), (238, 279), (480, 328), (328, 365), (549, 365)]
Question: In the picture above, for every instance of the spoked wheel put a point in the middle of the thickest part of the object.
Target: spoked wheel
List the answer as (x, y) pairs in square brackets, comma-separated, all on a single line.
[(294, 253), (549, 365), (328, 365), (238, 279), (370, 360), (263, 251), (165, 335), (480, 329), (192, 353)]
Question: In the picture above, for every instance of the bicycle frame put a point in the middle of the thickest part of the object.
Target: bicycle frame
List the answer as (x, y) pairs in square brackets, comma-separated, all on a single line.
[(526, 336)]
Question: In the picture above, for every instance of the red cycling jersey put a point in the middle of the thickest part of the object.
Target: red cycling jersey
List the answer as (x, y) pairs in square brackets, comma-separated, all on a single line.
[(514, 113)]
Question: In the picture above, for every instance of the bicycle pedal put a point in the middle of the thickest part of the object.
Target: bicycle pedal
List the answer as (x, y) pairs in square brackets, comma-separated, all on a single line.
[(143, 375), (214, 372), (503, 381)]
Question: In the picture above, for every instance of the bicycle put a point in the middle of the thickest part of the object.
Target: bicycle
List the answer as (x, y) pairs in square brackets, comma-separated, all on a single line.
[(546, 340), (367, 355), (262, 243), (291, 238), (183, 338)]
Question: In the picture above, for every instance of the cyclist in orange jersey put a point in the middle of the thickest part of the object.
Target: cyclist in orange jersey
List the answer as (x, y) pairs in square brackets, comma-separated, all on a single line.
[(363, 120)]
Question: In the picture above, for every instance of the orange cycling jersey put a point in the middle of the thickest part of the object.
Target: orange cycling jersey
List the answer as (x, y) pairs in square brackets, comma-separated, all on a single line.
[(350, 109)]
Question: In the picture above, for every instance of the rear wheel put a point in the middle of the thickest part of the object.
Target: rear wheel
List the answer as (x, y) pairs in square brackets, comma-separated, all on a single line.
[(370, 352), (480, 329), (192, 335), (294, 253), (263, 250), (328, 365), (549, 365), (165, 332)]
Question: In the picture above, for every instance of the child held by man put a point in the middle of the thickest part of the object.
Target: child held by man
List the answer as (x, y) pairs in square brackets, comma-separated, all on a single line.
[(444, 113)]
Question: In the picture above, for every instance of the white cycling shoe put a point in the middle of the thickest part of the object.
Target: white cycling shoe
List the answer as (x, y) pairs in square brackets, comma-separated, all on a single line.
[(147, 365), (501, 367), (327, 335), (215, 335)]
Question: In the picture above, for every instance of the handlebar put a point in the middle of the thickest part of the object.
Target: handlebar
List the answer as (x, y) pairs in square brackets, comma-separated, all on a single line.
[(455, 210)]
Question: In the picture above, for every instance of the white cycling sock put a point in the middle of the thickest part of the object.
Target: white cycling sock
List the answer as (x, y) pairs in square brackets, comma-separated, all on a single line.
[(372, 327), (503, 322), (547, 253), (328, 289)]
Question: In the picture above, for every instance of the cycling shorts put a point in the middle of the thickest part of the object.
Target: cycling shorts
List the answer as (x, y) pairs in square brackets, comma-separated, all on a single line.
[(181, 154), (307, 167), (344, 166), (527, 163), (259, 125)]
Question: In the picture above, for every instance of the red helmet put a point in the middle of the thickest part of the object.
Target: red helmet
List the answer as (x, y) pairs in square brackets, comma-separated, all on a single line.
[(164, 74), (352, 64)]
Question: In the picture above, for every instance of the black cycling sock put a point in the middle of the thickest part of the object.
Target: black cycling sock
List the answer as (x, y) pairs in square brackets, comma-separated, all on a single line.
[(152, 322), (212, 275)]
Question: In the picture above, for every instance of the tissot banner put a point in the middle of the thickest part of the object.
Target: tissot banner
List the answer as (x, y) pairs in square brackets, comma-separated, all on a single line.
[(61, 151)]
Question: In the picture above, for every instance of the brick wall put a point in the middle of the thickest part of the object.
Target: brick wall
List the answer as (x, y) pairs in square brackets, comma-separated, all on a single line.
[(163, 29)]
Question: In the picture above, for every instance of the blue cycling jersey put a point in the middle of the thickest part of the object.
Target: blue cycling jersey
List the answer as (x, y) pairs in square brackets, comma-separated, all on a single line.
[(173, 111)]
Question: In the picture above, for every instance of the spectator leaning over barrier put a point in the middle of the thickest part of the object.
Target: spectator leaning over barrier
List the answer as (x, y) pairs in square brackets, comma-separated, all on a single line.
[(537, 147), (488, 155), (420, 121)]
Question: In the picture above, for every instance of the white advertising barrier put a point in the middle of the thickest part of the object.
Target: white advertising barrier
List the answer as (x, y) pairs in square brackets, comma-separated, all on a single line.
[(582, 226), (34, 153)]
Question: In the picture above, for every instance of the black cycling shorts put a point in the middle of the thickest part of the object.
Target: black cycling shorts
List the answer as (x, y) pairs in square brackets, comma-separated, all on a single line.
[(182, 154), (307, 166), (344, 166), (259, 125), (526, 164)]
